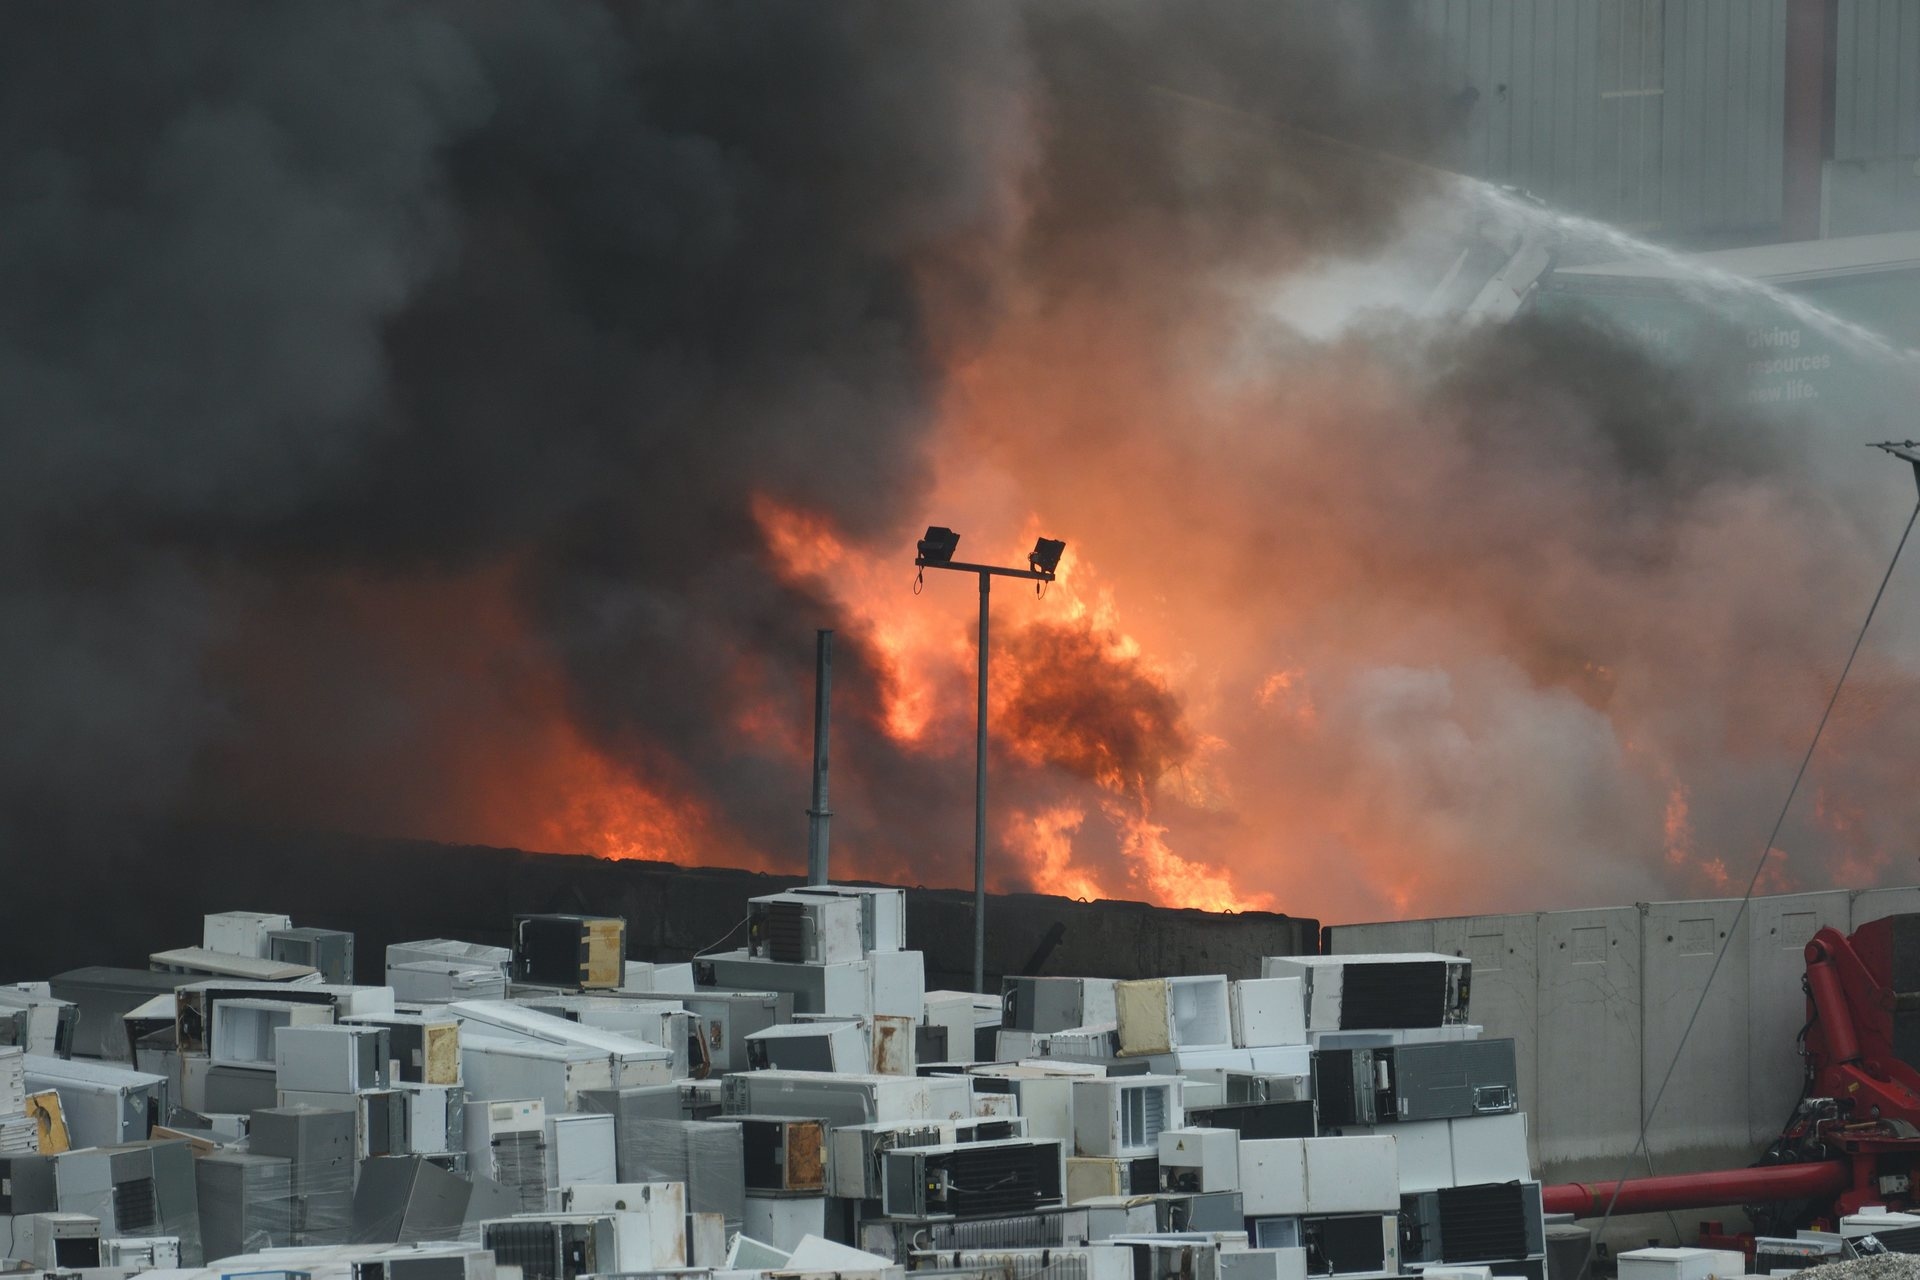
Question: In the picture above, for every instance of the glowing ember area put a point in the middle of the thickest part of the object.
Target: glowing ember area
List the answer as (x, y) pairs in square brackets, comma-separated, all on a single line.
[(470, 448)]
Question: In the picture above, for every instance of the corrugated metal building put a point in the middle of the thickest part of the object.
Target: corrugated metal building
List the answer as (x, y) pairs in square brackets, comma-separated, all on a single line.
[(1678, 117)]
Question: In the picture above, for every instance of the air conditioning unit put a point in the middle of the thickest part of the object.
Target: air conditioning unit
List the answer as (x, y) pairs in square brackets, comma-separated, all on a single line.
[(1263, 1264), (841, 989), (798, 928), (1212, 1212), (465, 955), (1123, 1115), (883, 913), (200, 962), (436, 1117), (1160, 1015), (1680, 1264), (1367, 992), (555, 1246), (1259, 1119), (629, 1059), (1055, 1004), (1096, 1044), (246, 1202), (13, 1080), (1085, 1262), (65, 1241), (443, 1262), (152, 1192), (243, 1030), (653, 1218), (580, 1149), (515, 1068), (507, 1142), (970, 1180), (141, 1253), (1415, 1082), (329, 951), (782, 1222), (1091, 1177), (438, 982), (1491, 1223), (1040, 1229), (39, 1023), (1199, 1160), (809, 1046), (1163, 1257), (381, 1117), (579, 953), (848, 1099), (1319, 1175), (1365, 1244), (331, 1059), (103, 1104), (724, 1020), (242, 933), (954, 1012), (323, 1145), (857, 1151), (420, 1049), (784, 1156), (1268, 1012)]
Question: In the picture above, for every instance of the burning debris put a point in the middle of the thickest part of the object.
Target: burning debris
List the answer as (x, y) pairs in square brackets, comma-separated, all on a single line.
[(469, 449)]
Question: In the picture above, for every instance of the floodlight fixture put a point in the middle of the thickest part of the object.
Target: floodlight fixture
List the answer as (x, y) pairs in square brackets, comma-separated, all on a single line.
[(935, 551), (938, 546)]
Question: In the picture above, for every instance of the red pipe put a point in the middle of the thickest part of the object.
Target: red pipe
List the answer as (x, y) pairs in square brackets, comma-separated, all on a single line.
[(1830, 1005), (1762, 1185)]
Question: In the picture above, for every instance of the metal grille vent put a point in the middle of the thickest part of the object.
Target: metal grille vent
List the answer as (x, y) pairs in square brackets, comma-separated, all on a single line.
[(786, 932), (1024, 1264), (1029, 1231), (1483, 1224), (534, 1247), (134, 1210), (1900, 1239), (1409, 993), (520, 1165), (989, 1181)]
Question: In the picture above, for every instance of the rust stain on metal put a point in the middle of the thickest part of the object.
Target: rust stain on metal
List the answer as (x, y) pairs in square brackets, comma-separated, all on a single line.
[(893, 1046), (806, 1156)]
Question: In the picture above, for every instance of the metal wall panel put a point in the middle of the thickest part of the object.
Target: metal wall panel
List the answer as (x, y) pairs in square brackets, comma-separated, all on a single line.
[(1506, 987), (1779, 929), (1723, 114), (1384, 936), (1876, 80), (1877, 904), (1586, 1108), (1652, 114), (1702, 1119)]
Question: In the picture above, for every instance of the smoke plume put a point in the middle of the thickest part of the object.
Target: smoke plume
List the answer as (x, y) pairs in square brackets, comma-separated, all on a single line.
[(453, 421)]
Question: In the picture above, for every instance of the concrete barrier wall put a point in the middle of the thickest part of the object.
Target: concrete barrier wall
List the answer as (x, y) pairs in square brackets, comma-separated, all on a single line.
[(1597, 1001)]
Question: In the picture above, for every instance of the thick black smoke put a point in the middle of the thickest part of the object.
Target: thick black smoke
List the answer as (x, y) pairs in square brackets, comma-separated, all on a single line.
[(308, 310)]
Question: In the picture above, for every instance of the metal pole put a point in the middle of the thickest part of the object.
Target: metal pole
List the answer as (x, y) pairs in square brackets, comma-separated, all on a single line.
[(819, 815), (980, 805)]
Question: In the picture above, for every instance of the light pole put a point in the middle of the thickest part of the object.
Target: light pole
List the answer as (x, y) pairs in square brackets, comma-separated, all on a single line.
[(935, 551)]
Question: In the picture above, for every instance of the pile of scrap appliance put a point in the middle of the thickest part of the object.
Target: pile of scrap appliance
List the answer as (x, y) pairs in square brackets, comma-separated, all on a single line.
[(804, 1106)]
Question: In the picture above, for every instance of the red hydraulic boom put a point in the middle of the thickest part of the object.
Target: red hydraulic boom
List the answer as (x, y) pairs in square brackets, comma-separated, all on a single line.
[(1855, 1136)]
